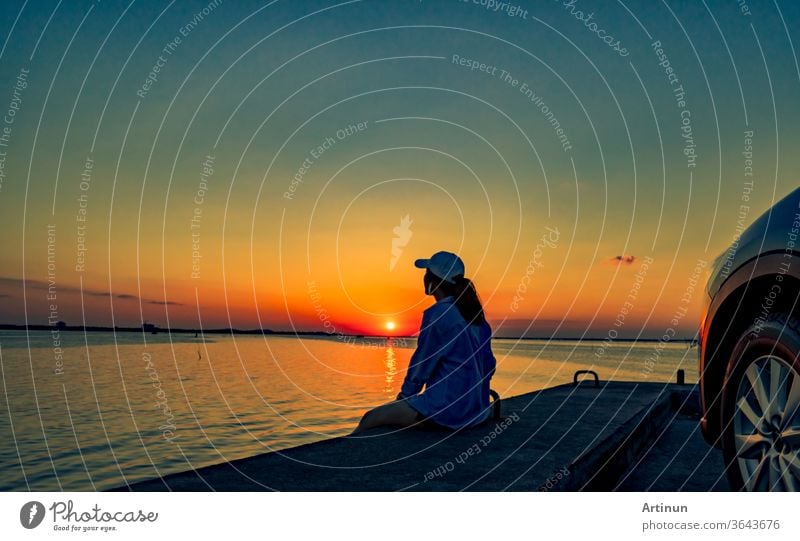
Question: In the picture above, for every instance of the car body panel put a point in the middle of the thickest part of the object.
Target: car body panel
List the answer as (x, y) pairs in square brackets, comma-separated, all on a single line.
[(770, 232), (768, 247)]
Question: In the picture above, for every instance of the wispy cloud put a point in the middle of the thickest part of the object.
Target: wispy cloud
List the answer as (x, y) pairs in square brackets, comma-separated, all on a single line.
[(16, 283)]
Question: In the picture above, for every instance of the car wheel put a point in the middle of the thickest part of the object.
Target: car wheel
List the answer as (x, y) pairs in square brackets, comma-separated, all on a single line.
[(760, 398)]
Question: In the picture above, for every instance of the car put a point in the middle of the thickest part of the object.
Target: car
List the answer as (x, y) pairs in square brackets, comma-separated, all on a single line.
[(749, 352)]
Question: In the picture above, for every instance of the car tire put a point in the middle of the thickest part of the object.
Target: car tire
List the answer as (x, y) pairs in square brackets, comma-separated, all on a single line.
[(760, 413)]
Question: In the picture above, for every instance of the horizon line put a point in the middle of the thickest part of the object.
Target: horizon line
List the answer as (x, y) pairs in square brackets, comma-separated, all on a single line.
[(154, 329)]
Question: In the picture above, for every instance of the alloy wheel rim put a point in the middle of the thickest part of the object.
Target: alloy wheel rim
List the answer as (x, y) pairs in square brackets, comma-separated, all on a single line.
[(767, 425)]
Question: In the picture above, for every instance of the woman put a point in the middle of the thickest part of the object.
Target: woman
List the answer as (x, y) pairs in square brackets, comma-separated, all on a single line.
[(453, 359)]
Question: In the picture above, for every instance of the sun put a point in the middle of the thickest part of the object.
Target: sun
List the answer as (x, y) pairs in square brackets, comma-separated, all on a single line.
[(390, 326)]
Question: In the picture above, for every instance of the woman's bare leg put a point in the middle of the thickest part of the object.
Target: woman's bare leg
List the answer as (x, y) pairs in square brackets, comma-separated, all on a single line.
[(392, 413)]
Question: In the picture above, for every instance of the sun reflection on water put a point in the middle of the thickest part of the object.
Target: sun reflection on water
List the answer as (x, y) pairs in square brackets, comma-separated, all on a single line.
[(391, 369)]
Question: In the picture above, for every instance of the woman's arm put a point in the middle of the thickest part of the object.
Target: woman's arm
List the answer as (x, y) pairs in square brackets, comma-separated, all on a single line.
[(491, 361), (430, 349)]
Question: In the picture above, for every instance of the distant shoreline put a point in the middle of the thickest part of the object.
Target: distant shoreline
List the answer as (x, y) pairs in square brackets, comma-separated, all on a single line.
[(270, 332)]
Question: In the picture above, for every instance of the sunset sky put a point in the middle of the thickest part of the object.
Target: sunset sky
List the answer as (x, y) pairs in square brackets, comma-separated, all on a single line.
[(216, 163)]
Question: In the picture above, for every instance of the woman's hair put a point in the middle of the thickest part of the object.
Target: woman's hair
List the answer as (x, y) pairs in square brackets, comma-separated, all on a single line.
[(464, 294)]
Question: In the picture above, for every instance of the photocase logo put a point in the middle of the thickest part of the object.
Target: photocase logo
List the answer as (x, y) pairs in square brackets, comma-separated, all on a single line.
[(31, 514), (402, 235)]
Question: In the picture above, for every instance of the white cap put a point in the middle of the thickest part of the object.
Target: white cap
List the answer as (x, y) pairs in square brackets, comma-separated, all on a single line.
[(445, 265)]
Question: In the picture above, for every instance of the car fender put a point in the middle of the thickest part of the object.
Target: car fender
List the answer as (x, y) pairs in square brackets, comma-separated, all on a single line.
[(782, 265)]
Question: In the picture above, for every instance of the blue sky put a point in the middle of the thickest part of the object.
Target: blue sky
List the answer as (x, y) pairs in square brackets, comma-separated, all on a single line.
[(475, 162)]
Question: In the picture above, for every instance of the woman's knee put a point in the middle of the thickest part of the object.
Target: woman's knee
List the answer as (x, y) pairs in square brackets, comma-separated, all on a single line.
[(368, 416), (392, 413), (377, 415), (398, 413)]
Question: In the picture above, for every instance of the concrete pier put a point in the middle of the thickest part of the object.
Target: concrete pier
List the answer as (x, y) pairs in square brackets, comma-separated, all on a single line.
[(616, 436)]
